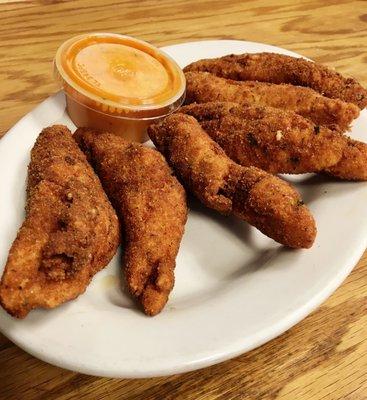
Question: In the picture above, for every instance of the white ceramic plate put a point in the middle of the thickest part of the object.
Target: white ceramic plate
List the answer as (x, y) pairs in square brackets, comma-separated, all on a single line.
[(235, 289)]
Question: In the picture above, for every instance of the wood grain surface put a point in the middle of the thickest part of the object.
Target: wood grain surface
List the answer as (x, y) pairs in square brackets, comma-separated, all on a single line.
[(324, 356)]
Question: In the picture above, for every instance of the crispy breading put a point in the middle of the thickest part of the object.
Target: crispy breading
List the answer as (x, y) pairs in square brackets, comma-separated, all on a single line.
[(151, 205), (279, 68), (70, 231), (204, 87), (353, 164), (263, 200), (279, 141), (268, 138)]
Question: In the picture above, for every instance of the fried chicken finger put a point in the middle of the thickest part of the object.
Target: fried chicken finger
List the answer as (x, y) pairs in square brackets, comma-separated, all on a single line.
[(263, 200), (204, 87), (280, 141), (151, 205), (268, 138), (70, 231), (279, 68)]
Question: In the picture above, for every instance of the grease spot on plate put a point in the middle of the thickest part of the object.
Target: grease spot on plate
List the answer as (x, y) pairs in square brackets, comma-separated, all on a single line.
[(109, 281)]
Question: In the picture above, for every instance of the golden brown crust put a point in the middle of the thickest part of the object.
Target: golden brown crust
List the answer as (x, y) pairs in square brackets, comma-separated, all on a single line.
[(70, 232), (151, 205), (268, 138), (204, 87), (353, 164), (279, 141), (278, 68), (265, 201)]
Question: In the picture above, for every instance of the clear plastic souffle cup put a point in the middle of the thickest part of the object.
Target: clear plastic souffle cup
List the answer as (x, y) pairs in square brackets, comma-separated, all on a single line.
[(117, 83)]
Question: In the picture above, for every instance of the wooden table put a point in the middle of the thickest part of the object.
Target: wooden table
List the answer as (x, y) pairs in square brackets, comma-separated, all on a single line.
[(323, 357)]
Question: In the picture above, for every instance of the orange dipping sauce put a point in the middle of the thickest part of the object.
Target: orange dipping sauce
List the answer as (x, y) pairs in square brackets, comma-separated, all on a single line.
[(117, 83)]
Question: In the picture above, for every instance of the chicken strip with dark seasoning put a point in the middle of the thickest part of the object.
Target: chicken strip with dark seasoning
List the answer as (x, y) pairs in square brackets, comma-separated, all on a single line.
[(280, 141), (279, 68), (261, 199), (274, 140), (204, 87)]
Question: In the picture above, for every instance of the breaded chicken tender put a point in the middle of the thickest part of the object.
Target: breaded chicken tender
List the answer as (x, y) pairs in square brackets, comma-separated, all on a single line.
[(151, 205), (70, 231), (279, 68), (279, 141), (271, 139), (204, 87), (263, 200)]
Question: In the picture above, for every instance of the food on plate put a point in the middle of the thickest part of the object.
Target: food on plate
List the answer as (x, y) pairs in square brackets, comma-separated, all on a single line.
[(279, 141), (279, 68), (70, 231), (204, 87), (117, 83), (263, 200), (151, 204), (247, 117), (271, 139)]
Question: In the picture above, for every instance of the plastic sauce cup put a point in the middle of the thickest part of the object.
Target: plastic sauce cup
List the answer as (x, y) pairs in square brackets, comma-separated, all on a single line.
[(117, 83)]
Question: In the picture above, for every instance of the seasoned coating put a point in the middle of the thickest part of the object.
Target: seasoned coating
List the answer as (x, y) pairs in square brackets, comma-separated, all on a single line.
[(279, 141), (263, 200), (268, 138), (204, 87), (70, 231), (151, 205), (353, 164), (278, 68)]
